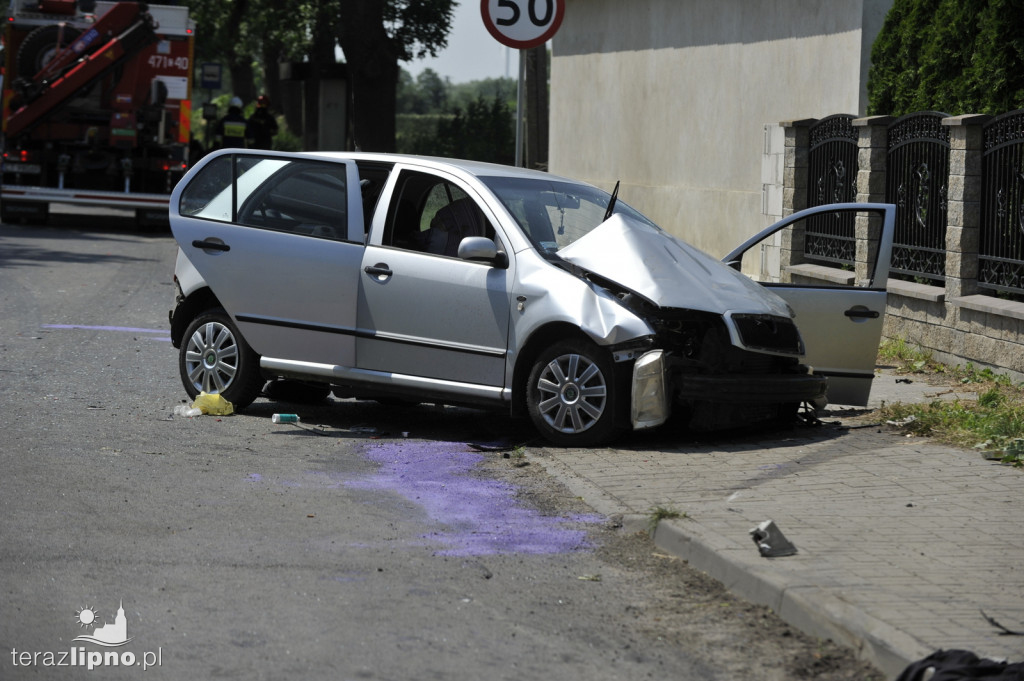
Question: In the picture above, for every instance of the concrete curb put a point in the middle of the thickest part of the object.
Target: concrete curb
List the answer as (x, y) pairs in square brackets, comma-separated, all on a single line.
[(812, 609)]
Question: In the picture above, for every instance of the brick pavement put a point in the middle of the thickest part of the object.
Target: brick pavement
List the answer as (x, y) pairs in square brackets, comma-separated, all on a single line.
[(901, 542)]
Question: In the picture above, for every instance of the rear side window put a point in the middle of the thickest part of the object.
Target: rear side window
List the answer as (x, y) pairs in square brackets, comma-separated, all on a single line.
[(296, 196)]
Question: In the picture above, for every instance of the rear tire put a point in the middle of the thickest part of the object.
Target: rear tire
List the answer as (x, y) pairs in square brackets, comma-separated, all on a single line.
[(571, 395), (214, 358)]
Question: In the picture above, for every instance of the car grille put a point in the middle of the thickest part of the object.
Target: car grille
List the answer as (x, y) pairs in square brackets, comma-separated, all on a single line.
[(769, 333), (700, 342)]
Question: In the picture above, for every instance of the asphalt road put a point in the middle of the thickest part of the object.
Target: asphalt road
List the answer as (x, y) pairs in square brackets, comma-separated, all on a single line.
[(241, 548), (365, 542)]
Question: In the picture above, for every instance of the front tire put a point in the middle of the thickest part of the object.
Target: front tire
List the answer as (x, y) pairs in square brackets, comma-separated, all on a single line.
[(571, 396), (214, 358)]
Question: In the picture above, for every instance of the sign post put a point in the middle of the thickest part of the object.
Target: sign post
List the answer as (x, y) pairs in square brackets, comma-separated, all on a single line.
[(209, 80), (522, 24)]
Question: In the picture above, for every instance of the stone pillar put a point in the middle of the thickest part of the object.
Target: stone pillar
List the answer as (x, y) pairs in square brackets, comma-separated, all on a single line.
[(794, 192), (963, 221), (872, 150)]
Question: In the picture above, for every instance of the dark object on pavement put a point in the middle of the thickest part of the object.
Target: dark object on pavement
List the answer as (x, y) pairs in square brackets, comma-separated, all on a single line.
[(770, 540), (959, 665)]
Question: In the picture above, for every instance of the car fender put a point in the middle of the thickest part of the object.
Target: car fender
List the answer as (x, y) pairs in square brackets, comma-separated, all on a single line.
[(546, 295), (189, 279)]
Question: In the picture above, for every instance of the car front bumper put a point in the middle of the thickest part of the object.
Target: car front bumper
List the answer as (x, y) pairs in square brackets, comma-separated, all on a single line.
[(656, 384)]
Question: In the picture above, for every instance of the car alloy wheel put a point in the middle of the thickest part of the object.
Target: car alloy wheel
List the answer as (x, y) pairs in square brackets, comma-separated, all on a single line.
[(570, 395), (211, 358), (215, 359)]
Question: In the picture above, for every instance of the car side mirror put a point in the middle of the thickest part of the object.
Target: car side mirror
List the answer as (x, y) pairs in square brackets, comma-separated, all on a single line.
[(482, 248), (736, 265)]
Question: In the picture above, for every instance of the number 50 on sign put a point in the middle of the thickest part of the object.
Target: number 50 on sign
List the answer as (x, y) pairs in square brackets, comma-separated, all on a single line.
[(522, 24)]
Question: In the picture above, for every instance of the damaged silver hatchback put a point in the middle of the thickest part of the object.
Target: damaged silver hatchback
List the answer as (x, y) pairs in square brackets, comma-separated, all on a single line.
[(432, 280)]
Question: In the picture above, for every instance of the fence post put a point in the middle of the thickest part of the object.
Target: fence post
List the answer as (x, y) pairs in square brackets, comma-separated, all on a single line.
[(872, 153), (963, 226), (794, 190)]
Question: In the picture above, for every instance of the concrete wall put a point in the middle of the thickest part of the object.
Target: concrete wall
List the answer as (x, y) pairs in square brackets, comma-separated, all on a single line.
[(672, 96)]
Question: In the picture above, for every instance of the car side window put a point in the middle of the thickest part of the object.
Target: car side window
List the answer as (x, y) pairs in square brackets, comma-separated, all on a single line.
[(432, 215), (305, 198), (302, 197), (208, 194)]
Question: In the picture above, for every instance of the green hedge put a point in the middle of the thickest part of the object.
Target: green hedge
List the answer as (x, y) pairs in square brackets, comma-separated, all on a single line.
[(955, 56)]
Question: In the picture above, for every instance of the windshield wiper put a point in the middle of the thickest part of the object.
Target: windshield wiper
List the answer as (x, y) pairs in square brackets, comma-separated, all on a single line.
[(611, 202)]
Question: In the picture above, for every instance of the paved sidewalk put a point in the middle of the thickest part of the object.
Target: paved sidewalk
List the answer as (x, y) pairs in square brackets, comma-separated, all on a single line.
[(901, 542)]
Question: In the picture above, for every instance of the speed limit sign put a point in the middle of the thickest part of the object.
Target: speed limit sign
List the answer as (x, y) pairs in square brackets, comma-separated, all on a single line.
[(522, 24)]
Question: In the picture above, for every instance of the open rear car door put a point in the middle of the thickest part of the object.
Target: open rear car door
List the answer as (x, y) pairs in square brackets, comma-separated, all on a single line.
[(839, 316)]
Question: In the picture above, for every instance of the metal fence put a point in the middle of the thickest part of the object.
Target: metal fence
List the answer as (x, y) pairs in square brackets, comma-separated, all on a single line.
[(1001, 248), (916, 181), (832, 178)]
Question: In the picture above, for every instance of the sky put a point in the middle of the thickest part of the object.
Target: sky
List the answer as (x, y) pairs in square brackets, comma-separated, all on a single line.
[(472, 53)]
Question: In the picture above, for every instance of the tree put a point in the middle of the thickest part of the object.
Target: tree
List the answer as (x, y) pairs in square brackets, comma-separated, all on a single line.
[(224, 34), (434, 89), (955, 56), (470, 120), (483, 132), (375, 35)]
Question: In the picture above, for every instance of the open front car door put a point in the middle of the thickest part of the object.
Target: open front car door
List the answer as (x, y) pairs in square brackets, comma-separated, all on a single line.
[(835, 281)]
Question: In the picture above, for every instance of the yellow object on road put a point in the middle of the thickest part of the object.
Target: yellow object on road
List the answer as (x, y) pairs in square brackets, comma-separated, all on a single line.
[(213, 404)]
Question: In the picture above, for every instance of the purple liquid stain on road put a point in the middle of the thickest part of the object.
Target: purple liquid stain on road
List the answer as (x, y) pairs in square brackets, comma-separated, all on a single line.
[(481, 515), (127, 329)]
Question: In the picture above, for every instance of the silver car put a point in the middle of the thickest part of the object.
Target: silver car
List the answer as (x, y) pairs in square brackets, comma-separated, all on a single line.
[(405, 278)]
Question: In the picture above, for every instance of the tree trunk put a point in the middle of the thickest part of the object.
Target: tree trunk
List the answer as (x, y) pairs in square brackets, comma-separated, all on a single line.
[(373, 114), (239, 63), (373, 72), (243, 82)]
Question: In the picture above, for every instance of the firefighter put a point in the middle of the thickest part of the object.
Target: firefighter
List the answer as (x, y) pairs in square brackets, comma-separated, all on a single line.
[(261, 126), (230, 130)]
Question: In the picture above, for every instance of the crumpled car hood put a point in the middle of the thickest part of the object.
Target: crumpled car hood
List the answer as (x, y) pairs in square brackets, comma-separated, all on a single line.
[(667, 271)]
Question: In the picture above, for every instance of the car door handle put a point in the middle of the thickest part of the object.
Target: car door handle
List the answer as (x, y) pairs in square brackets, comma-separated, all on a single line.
[(379, 270), (211, 245), (854, 313)]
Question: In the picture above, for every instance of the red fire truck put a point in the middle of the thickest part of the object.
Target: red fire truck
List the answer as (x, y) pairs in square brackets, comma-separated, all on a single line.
[(96, 106)]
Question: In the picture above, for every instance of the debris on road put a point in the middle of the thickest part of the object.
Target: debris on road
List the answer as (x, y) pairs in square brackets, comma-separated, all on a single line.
[(213, 404), (1003, 630), (182, 410), (770, 540)]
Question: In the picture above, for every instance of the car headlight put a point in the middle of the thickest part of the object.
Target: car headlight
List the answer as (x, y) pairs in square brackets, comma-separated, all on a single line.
[(649, 404)]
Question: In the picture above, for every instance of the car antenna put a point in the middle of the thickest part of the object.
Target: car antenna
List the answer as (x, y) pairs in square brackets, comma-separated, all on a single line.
[(611, 202)]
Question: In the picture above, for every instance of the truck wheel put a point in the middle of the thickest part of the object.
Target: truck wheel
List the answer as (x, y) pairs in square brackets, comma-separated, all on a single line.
[(214, 358), (570, 394), (40, 46)]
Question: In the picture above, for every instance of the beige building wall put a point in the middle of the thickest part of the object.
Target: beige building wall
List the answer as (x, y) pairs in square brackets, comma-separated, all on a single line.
[(672, 98)]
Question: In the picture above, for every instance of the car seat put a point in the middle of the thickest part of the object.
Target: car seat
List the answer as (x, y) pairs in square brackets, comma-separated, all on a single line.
[(453, 223)]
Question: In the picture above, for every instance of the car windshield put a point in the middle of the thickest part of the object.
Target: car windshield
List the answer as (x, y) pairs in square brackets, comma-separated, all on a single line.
[(555, 213)]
